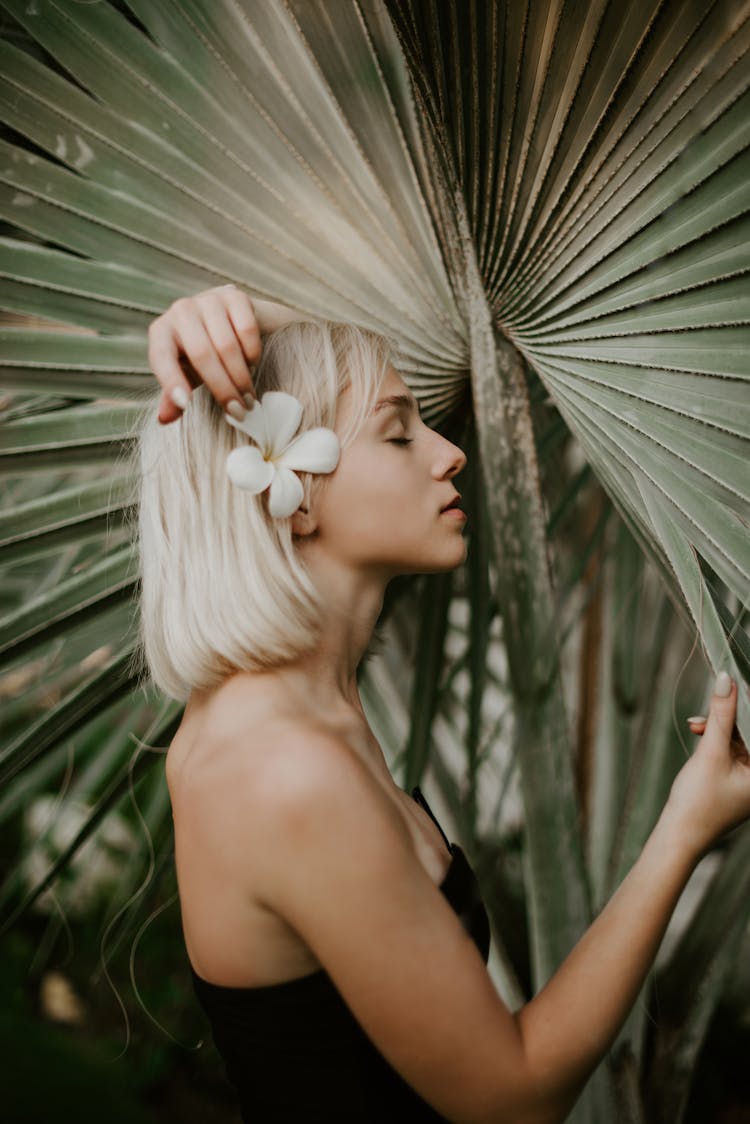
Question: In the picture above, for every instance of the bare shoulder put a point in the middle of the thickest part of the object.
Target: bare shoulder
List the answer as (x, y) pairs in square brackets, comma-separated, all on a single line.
[(284, 792), (305, 775), (332, 858), (230, 738), (269, 766), (278, 786)]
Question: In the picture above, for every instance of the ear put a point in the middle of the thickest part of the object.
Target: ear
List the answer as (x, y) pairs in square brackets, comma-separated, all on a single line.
[(304, 523)]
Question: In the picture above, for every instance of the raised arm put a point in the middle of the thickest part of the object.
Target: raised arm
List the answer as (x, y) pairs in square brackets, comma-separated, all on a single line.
[(213, 337), (567, 1028)]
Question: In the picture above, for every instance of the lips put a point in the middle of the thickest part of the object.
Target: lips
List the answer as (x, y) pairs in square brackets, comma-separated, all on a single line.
[(455, 502)]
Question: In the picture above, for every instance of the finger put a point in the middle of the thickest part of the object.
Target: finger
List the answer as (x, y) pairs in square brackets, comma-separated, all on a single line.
[(189, 371), (167, 410), (737, 741), (195, 341), (221, 330), (721, 710), (245, 324), (163, 360)]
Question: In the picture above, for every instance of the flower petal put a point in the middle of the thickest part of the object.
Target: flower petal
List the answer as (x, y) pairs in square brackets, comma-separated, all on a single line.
[(286, 493), (282, 414), (316, 450), (254, 425), (248, 470)]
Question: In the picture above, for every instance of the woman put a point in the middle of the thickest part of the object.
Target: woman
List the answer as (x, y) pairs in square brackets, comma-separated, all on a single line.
[(337, 941)]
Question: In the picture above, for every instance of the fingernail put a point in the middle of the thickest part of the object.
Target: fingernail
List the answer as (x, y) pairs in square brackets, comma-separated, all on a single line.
[(236, 409), (179, 396), (250, 400), (723, 684), (696, 718)]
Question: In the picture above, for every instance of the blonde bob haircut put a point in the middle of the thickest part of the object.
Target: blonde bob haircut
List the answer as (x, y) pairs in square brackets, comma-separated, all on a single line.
[(222, 587)]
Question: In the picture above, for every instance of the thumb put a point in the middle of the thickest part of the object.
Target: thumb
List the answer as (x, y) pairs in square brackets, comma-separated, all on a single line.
[(722, 706)]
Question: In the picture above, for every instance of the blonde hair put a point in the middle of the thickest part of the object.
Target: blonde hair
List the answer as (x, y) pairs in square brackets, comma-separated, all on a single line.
[(222, 587)]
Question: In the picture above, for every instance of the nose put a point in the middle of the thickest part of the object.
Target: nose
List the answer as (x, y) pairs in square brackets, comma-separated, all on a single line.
[(453, 460)]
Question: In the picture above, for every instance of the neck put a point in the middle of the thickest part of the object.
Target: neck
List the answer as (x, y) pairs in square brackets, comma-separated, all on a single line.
[(326, 677)]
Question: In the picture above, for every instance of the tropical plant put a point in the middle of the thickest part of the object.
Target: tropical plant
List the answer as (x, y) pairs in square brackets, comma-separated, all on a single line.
[(546, 203)]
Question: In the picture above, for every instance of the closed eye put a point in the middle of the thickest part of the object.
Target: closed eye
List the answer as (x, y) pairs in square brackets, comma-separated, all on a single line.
[(400, 440)]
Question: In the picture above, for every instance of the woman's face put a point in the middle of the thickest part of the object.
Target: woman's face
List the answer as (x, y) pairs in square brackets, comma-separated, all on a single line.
[(380, 510)]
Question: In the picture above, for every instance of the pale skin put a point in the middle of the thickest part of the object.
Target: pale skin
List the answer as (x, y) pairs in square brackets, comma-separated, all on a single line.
[(251, 906)]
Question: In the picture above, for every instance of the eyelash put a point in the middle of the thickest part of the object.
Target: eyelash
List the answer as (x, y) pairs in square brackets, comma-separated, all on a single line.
[(401, 440)]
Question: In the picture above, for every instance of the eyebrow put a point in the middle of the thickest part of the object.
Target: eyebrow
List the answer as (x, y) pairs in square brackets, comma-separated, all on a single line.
[(398, 400)]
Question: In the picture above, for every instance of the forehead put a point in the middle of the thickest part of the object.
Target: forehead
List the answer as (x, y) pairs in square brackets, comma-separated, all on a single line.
[(393, 393), (391, 386), (392, 382)]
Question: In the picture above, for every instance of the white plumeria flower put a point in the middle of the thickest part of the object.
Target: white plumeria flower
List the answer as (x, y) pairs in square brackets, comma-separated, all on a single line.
[(275, 459)]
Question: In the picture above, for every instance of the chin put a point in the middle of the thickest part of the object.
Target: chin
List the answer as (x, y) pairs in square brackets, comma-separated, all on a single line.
[(436, 562), (449, 561)]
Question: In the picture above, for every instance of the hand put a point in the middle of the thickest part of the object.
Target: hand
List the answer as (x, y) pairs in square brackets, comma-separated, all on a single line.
[(711, 793), (214, 338)]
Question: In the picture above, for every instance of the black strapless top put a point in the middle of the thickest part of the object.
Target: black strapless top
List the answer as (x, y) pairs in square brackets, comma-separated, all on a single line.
[(294, 1051)]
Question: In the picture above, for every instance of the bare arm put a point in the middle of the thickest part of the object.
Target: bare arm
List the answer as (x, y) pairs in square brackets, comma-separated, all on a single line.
[(387, 932), (567, 1028)]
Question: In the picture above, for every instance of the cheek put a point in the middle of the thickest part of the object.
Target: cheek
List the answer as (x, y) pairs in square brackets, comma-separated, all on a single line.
[(354, 486), (359, 506)]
